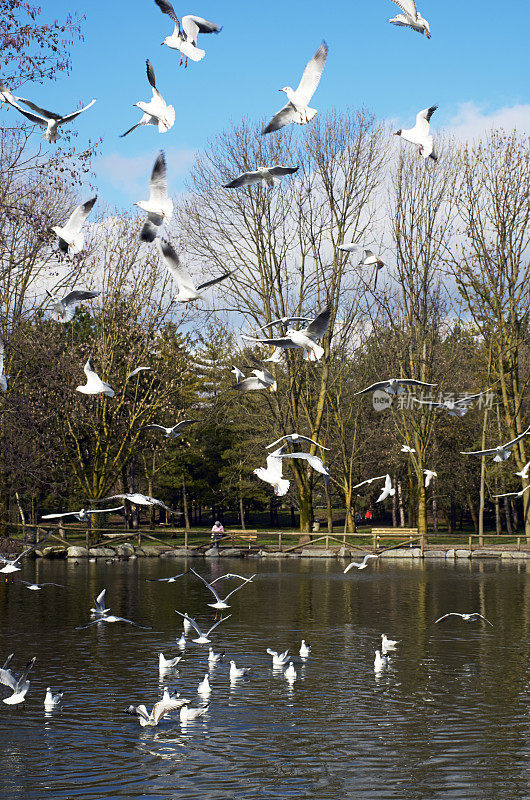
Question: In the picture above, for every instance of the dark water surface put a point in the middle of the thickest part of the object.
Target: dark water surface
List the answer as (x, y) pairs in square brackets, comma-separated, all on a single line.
[(448, 719)]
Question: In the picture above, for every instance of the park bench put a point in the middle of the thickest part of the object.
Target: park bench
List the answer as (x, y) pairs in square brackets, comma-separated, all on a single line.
[(405, 535)]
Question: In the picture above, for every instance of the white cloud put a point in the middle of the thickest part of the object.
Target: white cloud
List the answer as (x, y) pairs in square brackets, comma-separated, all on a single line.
[(472, 121), (130, 175)]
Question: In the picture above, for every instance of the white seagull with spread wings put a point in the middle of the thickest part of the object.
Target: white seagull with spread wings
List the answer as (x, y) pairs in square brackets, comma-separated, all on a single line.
[(172, 432), (64, 309), (156, 111), (83, 515), (46, 119), (394, 385), (187, 290), (184, 38), (410, 18), (466, 617), (137, 499), (267, 176), (455, 408), (305, 338), (94, 384), (71, 238), (203, 637), (502, 451), (420, 134), (159, 207), (159, 710), (360, 564), (220, 603), (19, 686), (297, 108), (294, 438), (273, 472), (13, 565)]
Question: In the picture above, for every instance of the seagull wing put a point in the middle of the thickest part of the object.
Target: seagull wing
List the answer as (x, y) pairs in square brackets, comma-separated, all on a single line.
[(158, 180), (320, 324), (60, 516), (283, 341), (22, 680), (408, 7), (368, 556), (130, 622), (213, 281), (190, 620), (245, 179), (451, 614), (78, 295), (74, 114), (153, 427), (314, 461), (248, 580), (166, 706), (479, 616), (250, 385), (150, 74), (414, 382), (373, 387), (142, 122), (103, 510), (184, 423), (311, 75), (208, 585), (137, 372), (166, 8), (180, 274), (517, 438), (30, 549), (278, 171), (32, 117), (192, 26), (465, 400), (285, 116), (478, 452), (38, 109), (223, 619), (79, 215)]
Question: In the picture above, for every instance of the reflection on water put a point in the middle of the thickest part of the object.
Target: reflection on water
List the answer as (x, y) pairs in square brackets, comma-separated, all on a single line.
[(447, 718)]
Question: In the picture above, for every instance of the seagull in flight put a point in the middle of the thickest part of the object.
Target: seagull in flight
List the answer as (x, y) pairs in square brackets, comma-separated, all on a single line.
[(187, 290), (455, 408), (184, 38), (429, 475), (524, 473), (394, 386), (267, 176), (64, 309), (156, 111), (172, 579), (410, 18), (203, 637), (502, 451), (19, 686), (314, 461), (420, 134), (260, 379), (273, 472), (99, 604), (220, 603), (137, 372), (112, 618), (294, 438), (369, 258), (466, 617), (94, 384), (71, 237), (12, 565), (407, 449), (368, 480), (159, 207), (36, 587), (83, 515), (513, 494), (360, 564), (387, 491), (305, 338), (137, 499), (46, 119), (171, 433), (297, 108)]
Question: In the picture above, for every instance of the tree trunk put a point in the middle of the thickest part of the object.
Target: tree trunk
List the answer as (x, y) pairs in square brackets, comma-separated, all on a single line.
[(509, 529), (400, 504), (241, 507), (472, 511), (394, 505), (482, 496), (422, 513), (435, 514), (306, 509), (185, 504), (329, 511), (498, 526)]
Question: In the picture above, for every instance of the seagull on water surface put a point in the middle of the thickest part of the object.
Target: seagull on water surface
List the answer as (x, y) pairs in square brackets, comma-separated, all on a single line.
[(204, 687), (64, 310), (237, 672), (165, 664), (213, 657), (387, 645), (305, 649), (156, 111), (420, 134), (278, 659), (184, 38), (474, 617), (502, 451), (290, 673), (51, 700), (189, 713), (159, 207), (380, 662), (360, 564), (160, 710), (297, 108), (70, 235), (203, 637), (267, 176)]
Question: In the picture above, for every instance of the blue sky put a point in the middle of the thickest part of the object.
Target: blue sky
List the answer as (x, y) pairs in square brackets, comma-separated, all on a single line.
[(474, 67)]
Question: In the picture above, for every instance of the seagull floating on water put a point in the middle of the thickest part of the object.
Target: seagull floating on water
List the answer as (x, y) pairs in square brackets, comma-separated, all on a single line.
[(64, 310), (165, 664), (213, 657), (502, 451), (305, 649), (159, 207), (204, 687), (184, 38), (380, 661), (387, 645), (297, 108), (203, 637), (94, 384), (410, 18), (420, 134), (290, 673), (51, 700), (156, 111), (189, 713), (278, 659), (160, 710), (360, 564), (181, 642), (267, 176), (474, 617), (71, 237), (237, 672)]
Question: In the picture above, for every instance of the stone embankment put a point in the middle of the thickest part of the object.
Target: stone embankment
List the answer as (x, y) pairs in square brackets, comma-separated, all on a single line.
[(128, 551)]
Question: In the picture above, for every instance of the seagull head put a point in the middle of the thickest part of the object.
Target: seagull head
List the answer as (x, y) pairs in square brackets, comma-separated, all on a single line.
[(397, 133)]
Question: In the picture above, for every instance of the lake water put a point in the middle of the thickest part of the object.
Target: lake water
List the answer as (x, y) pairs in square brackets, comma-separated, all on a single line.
[(449, 718)]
